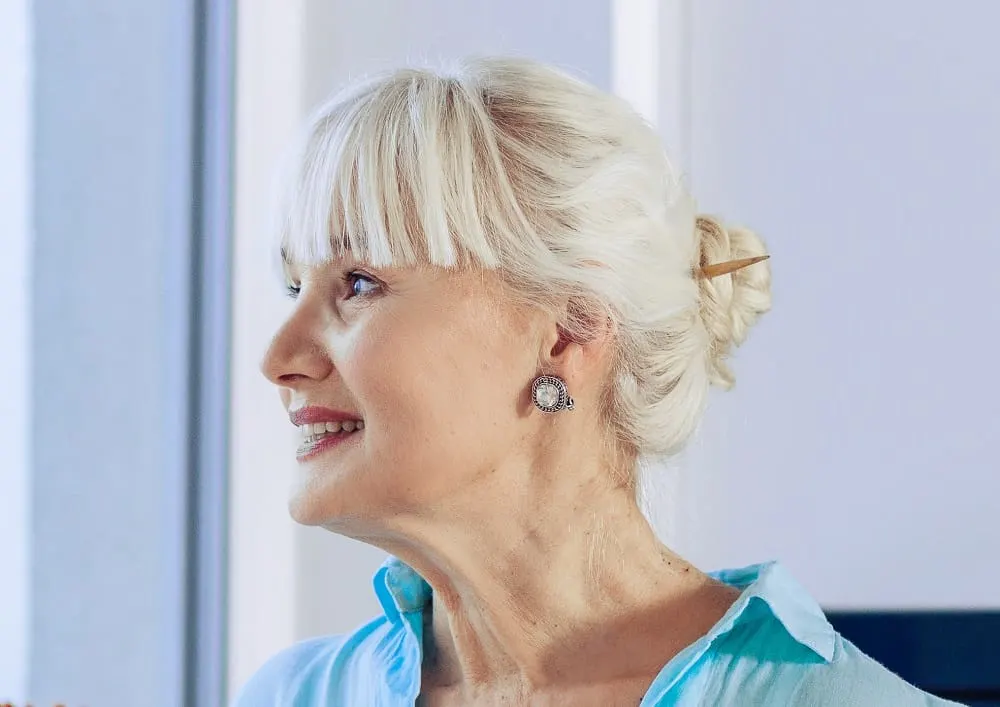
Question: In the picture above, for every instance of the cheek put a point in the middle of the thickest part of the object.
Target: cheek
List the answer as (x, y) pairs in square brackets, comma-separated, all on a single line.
[(434, 391)]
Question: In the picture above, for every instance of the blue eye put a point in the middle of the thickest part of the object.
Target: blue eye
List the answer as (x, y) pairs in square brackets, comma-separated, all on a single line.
[(361, 285)]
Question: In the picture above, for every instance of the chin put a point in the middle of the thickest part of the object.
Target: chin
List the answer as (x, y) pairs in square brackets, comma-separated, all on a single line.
[(346, 503), (305, 512)]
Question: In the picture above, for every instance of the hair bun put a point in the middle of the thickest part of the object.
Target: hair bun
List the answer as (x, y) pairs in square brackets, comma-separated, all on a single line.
[(730, 304)]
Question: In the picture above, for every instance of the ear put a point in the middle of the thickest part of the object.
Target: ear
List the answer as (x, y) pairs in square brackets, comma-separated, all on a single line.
[(579, 341)]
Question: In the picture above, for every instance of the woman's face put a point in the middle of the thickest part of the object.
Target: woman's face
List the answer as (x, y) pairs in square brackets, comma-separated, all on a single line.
[(430, 363)]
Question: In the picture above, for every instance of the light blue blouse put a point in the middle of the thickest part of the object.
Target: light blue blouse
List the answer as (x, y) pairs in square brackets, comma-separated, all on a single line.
[(773, 647)]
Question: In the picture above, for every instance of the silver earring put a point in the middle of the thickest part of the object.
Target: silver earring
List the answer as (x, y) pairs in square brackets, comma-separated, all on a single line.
[(549, 394)]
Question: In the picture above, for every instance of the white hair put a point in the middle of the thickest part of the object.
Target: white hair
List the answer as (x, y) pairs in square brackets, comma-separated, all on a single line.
[(511, 165)]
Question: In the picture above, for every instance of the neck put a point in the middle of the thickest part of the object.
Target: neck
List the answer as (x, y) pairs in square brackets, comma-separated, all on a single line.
[(538, 581)]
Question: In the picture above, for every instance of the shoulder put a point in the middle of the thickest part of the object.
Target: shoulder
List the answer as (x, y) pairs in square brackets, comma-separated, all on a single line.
[(854, 678), (777, 645), (289, 676), (309, 673)]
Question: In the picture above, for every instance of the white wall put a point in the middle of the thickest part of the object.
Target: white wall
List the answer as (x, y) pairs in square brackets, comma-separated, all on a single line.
[(15, 411), (860, 447)]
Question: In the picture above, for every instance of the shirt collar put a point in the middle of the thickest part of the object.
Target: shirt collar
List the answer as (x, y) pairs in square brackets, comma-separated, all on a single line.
[(400, 590), (786, 600)]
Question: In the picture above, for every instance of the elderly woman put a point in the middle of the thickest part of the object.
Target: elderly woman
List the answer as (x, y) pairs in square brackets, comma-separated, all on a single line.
[(504, 305)]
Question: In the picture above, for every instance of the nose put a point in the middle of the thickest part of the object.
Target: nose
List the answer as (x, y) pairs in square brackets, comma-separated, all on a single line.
[(297, 354)]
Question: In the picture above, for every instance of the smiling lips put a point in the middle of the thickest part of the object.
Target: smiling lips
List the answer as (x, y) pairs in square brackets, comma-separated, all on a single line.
[(323, 428)]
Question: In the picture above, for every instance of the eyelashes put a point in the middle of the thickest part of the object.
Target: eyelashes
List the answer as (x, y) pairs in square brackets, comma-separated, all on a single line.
[(354, 279), (357, 285)]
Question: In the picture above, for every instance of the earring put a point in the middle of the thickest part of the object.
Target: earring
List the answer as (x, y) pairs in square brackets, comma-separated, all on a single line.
[(549, 394)]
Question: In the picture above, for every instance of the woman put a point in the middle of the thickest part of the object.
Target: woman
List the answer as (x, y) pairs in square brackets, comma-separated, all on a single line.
[(504, 303)]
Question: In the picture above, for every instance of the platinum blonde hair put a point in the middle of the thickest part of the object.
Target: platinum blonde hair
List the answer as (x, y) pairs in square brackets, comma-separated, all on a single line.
[(511, 165)]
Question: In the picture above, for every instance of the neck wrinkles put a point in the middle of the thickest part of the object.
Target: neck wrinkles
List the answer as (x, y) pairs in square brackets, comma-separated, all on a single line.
[(534, 580)]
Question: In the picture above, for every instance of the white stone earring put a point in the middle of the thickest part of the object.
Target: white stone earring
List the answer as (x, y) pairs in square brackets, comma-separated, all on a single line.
[(549, 394)]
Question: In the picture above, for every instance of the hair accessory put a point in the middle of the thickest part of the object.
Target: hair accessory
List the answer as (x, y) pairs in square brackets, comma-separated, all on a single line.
[(549, 394), (730, 266)]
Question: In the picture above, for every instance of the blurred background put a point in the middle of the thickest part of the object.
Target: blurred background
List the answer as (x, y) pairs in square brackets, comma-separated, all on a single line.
[(146, 552)]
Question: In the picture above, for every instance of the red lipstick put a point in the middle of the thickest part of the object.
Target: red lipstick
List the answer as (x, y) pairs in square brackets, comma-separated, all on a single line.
[(340, 427), (312, 414)]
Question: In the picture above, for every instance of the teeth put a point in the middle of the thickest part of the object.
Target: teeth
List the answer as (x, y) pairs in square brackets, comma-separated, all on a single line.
[(312, 431)]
